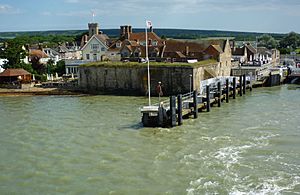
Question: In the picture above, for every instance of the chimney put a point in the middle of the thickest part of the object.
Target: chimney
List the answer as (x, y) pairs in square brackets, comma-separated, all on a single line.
[(130, 29), (186, 50), (127, 31), (93, 29), (151, 29), (122, 31)]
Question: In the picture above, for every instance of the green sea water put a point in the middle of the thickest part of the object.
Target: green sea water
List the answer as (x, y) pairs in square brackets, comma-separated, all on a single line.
[(97, 145)]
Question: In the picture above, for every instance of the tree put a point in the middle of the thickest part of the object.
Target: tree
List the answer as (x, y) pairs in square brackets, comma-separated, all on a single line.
[(292, 40), (60, 67), (267, 41), (14, 53)]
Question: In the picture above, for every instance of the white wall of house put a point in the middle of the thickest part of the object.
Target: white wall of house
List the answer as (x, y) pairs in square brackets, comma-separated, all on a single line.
[(93, 50)]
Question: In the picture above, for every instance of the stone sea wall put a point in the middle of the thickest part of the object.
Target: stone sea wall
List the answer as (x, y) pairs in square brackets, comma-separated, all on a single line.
[(133, 80)]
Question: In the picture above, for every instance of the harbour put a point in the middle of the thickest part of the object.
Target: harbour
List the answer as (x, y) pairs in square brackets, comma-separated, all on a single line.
[(96, 144)]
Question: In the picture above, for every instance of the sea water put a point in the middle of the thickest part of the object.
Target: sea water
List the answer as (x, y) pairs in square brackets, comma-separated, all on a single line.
[(97, 145)]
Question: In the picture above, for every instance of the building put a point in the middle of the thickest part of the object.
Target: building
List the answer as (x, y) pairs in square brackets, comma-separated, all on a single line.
[(96, 45), (15, 75)]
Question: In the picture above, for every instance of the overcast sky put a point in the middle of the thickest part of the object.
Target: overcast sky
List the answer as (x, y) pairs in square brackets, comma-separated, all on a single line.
[(235, 15)]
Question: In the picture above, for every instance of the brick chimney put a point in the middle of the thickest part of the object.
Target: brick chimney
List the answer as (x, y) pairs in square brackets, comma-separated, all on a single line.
[(187, 50), (125, 31)]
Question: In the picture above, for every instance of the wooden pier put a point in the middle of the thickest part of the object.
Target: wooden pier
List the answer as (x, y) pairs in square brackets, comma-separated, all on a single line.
[(183, 106)]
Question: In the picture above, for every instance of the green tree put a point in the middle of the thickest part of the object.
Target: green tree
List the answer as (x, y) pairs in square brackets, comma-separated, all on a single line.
[(267, 41), (292, 40), (60, 67), (14, 53)]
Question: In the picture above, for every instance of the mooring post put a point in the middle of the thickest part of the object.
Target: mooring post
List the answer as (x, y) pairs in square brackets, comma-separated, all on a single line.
[(195, 104), (219, 94), (241, 85), (244, 84), (207, 98), (227, 90), (234, 87), (173, 111), (179, 109)]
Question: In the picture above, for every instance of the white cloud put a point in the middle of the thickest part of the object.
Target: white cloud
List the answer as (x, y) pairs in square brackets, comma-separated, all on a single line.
[(7, 9)]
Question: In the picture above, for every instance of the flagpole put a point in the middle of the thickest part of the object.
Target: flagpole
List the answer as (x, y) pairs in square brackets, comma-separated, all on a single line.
[(148, 65)]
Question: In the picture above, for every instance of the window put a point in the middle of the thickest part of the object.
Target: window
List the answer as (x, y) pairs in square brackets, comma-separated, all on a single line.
[(102, 49), (154, 43), (94, 46), (87, 56), (118, 45), (95, 57)]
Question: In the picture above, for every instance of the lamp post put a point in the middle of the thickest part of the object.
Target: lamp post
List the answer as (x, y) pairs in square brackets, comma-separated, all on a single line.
[(159, 91)]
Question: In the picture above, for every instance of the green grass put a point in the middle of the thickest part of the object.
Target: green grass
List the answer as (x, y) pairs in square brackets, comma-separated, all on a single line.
[(297, 51), (152, 64)]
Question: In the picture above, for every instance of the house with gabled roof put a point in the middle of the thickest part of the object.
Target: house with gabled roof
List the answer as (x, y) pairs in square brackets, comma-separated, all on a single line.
[(132, 46), (97, 44)]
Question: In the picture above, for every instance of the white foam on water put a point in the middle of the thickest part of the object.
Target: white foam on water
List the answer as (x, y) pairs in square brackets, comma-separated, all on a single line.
[(268, 186), (230, 155)]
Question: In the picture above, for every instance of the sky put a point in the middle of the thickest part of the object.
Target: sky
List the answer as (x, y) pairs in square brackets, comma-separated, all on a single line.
[(267, 16)]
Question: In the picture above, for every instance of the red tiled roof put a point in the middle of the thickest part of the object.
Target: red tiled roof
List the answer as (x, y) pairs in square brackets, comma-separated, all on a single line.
[(174, 46), (14, 72), (38, 53)]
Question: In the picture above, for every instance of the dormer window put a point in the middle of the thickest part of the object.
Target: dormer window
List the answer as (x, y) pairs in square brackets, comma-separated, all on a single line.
[(154, 43), (118, 45)]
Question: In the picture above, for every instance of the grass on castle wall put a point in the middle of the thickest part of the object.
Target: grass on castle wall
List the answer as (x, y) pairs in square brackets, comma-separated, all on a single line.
[(152, 64)]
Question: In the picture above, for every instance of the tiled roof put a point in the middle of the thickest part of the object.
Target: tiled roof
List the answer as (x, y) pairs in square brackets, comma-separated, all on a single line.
[(174, 45), (141, 36), (14, 72), (37, 53), (218, 48), (251, 48)]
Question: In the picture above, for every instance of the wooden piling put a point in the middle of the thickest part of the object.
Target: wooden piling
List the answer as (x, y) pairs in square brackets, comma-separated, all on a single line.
[(241, 85), (207, 98), (234, 88), (179, 109), (219, 94), (227, 91), (195, 104), (244, 84), (173, 111)]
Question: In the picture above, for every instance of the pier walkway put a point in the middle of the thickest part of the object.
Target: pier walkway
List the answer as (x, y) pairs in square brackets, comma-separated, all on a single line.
[(170, 112)]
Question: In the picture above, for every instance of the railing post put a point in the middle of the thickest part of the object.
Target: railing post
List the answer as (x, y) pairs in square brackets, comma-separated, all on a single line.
[(234, 87), (195, 104), (173, 111), (227, 90), (207, 98), (219, 94), (244, 84), (179, 109), (241, 85)]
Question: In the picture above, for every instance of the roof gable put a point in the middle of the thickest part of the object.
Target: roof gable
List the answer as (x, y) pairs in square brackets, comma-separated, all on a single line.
[(14, 72), (98, 38)]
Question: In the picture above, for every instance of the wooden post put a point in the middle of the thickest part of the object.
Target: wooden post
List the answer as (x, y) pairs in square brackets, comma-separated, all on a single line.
[(179, 108), (207, 98), (227, 91), (219, 94), (241, 85), (234, 87), (173, 111), (244, 84), (195, 104)]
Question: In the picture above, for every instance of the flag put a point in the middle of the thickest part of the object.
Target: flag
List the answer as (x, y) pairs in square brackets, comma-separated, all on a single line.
[(148, 24)]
